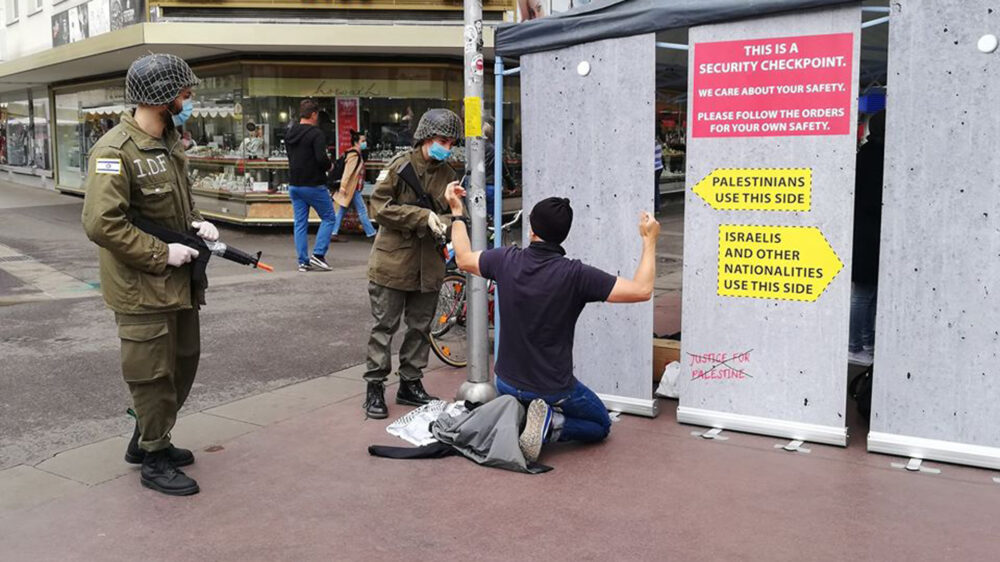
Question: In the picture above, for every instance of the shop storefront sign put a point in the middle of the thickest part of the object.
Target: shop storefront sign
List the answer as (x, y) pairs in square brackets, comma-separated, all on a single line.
[(347, 121), (782, 86), (757, 189), (775, 262), (261, 86)]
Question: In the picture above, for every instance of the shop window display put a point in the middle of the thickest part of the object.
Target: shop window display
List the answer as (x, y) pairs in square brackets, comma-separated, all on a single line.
[(82, 117), (234, 139), (18, 142), (40, 122)]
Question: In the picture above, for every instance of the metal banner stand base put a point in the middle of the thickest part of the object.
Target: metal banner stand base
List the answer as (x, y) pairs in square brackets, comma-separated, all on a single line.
[(713, 434), (636, 406), (794, 447), (916, 465), (764, 426), (933, 449)]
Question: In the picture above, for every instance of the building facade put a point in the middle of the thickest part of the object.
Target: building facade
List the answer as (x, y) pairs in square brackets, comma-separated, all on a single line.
[(374, 65)]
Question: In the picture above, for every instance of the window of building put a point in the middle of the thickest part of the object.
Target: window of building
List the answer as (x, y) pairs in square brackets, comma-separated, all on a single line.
[(82, 116), (40, 118), (18, 139), (12, 10), (35, 6)]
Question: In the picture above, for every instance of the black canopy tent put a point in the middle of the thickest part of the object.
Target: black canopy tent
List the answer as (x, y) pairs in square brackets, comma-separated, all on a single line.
[(608, 19)]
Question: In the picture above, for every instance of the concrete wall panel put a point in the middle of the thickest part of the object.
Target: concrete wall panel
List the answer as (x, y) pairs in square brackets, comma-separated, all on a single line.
[(590, 138), (937, 369)]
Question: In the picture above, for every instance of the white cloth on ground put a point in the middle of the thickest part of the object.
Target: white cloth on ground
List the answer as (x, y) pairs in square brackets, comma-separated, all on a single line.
[(414, 427)]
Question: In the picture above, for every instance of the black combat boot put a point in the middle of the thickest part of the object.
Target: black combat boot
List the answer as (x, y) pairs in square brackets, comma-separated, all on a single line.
[(134, 455), (159, 474), (412, 393), (375, 401)]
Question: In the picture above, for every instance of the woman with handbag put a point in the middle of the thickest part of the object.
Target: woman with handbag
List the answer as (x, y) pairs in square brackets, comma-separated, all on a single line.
[(351, 184)]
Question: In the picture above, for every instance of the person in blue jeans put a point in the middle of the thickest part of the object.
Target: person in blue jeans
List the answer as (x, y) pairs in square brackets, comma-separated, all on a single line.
[(308, 163), (541, 294), (351, 184)]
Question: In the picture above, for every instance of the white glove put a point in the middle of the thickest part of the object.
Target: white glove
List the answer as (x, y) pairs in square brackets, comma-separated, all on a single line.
[(179, 254), (437, 227), (206, 230)]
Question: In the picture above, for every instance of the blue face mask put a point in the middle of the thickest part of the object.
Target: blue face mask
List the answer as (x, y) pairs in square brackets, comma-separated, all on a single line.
[(364, 145), (439, 152), (186, 109)]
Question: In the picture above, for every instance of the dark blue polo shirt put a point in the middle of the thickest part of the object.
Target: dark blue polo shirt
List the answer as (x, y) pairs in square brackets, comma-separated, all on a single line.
[(542, 293)]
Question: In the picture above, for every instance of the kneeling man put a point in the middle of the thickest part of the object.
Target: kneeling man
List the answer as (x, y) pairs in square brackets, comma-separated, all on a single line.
[(542, 293)]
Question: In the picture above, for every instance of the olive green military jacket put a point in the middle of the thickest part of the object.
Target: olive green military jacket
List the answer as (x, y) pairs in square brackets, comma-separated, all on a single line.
[(405, 256), (133, 173)]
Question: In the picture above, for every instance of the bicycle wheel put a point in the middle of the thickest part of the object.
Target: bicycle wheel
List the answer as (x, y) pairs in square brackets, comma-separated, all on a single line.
[(448, 332)]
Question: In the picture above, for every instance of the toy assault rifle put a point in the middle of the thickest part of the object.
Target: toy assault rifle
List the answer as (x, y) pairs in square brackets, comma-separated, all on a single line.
[(205, 249)]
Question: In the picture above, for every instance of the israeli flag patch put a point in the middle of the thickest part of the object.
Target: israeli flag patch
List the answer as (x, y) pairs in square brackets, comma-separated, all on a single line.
[(109, 166)]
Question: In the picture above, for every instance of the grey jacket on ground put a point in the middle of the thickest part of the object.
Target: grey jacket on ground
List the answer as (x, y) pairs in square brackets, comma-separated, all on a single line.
[(488, 435)]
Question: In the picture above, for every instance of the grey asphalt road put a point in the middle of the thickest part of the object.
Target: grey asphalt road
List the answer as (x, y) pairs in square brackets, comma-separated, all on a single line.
[(60, 383)]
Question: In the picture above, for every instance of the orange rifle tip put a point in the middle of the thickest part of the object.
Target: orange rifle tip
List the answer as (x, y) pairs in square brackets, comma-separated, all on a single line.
[(265, 267)]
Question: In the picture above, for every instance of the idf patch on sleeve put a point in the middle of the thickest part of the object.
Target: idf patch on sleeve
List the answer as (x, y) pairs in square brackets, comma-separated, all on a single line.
[(108, 166)]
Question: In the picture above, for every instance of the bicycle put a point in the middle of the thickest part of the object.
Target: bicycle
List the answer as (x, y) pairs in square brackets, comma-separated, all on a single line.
[(448, 332)]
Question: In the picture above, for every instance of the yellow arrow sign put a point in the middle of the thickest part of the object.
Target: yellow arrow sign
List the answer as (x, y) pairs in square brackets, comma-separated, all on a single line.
[(757, 189), (775, 262)]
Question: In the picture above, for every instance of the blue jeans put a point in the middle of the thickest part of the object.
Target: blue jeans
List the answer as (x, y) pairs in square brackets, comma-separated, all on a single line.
[(359, 205), (586, 417), (318, 197), (862, 331), (490, 198)]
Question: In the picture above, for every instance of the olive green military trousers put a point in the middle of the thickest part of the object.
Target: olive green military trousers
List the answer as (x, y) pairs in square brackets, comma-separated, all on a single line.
[(160, 355), (389, 306)]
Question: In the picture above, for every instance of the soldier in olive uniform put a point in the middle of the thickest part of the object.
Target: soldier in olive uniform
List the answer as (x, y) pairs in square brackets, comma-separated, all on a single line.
[(406, 268), (138, 168)]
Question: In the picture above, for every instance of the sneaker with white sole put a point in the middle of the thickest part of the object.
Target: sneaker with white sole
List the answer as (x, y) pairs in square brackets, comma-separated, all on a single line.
[(304, 267), (319, 263), (536, 427)]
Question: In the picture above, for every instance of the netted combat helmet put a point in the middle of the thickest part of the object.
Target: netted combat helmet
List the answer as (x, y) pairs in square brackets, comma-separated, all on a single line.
[(157, 79), (438, 123)]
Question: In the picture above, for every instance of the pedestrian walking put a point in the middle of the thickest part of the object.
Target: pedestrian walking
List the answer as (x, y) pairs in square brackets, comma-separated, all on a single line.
[(406, 267), (308, 164), (351, 184), (139, 170)]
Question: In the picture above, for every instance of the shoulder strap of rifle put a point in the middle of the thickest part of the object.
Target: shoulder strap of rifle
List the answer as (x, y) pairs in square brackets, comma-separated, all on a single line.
[(409, 175)]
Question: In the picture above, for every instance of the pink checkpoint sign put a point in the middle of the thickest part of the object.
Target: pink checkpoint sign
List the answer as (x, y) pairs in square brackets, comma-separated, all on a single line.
[(783, 86)]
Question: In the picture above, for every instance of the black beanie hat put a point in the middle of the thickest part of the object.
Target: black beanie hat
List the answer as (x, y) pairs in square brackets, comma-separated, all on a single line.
[(551, 219)]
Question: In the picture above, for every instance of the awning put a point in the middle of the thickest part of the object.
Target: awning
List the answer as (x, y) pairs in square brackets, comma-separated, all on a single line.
[(105, 110), (213, 111), (111, 53), (608, 19)]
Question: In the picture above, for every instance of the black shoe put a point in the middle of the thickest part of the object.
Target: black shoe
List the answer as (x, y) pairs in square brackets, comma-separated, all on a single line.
[(177, 457), (159, 474), (374, 405), (317, 262), (412, 393)]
